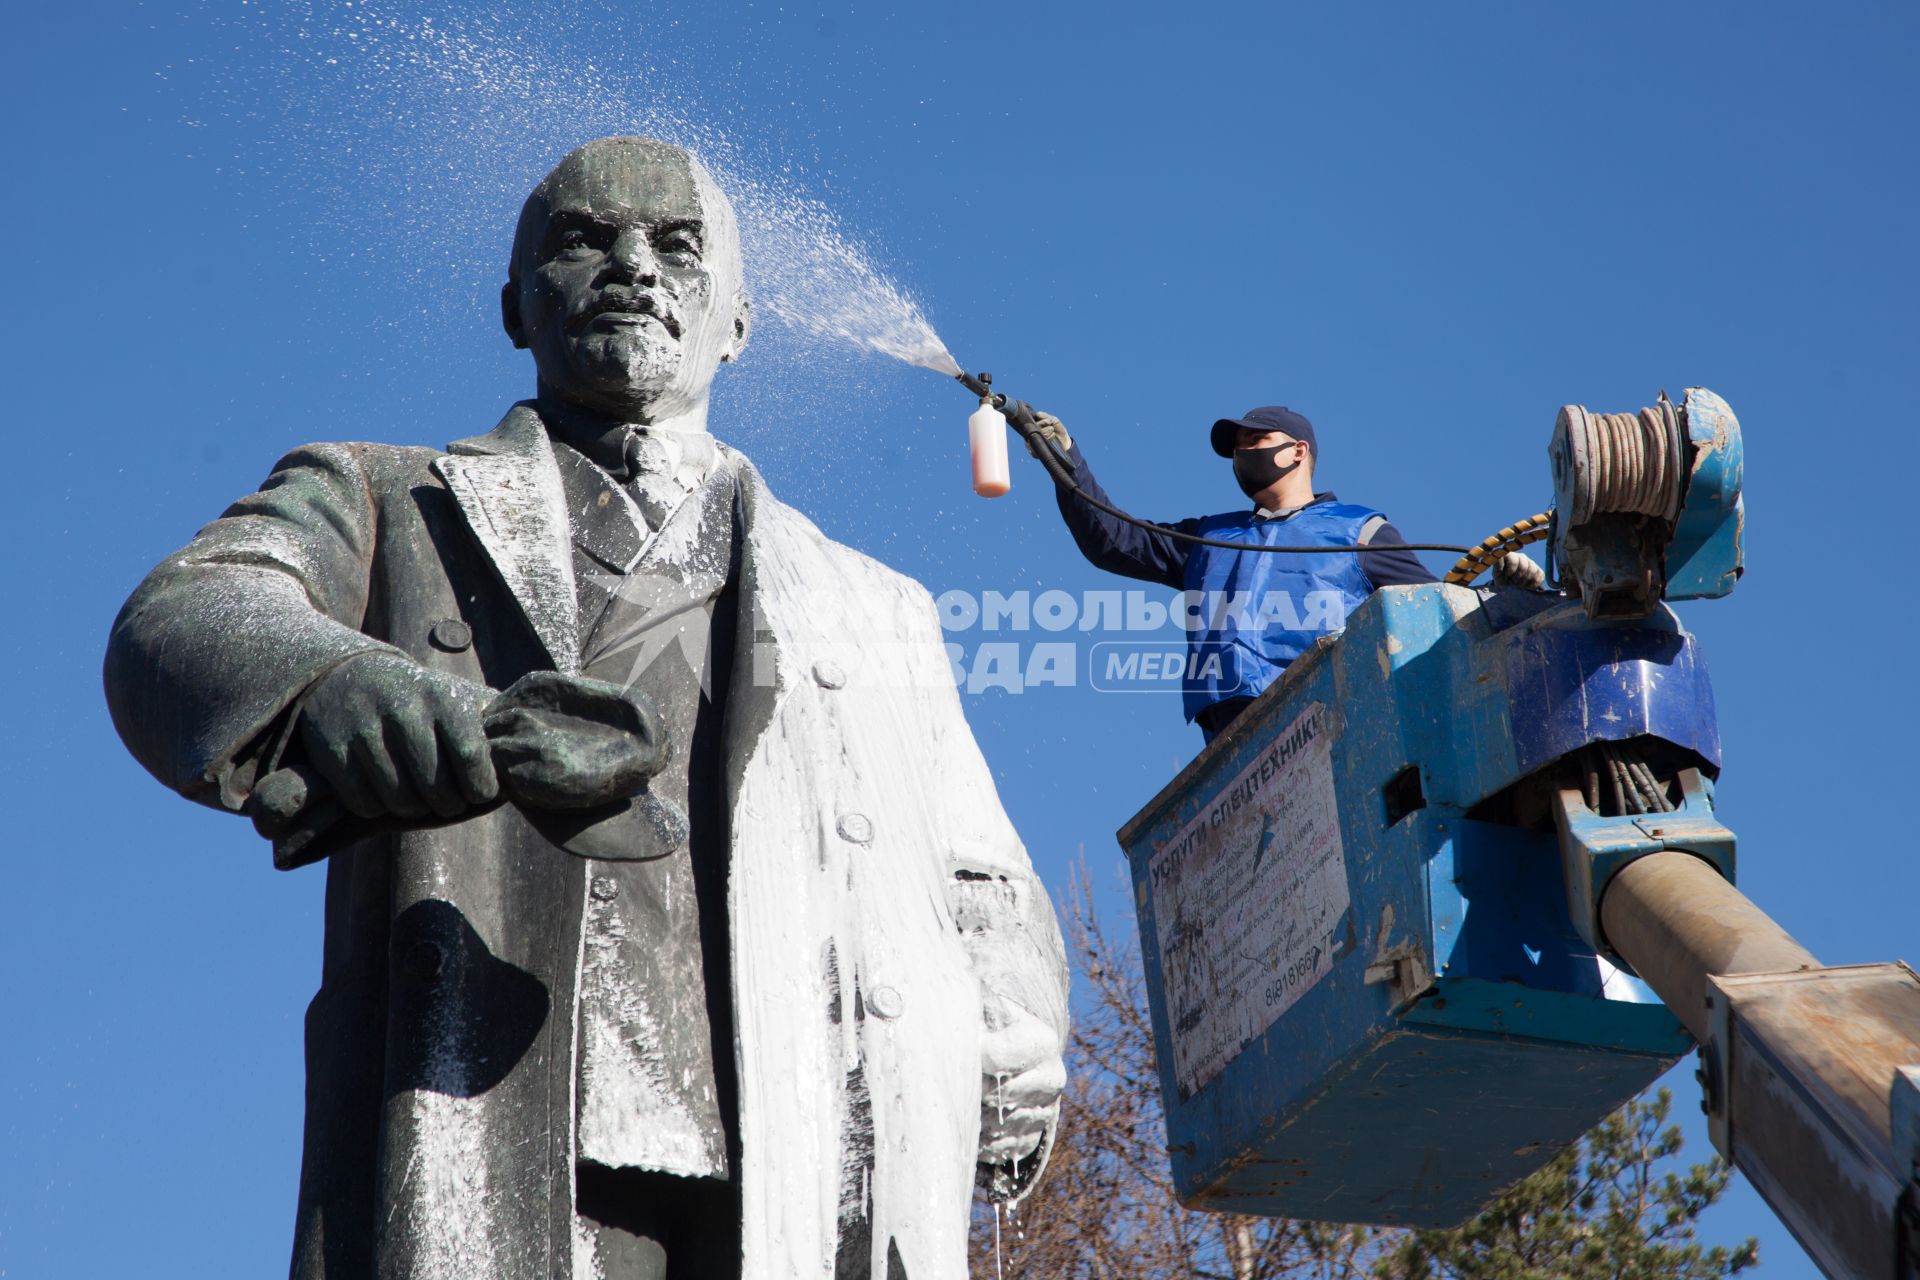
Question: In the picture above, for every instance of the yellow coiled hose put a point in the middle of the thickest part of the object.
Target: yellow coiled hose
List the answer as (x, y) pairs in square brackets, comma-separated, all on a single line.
[(1483, 557)]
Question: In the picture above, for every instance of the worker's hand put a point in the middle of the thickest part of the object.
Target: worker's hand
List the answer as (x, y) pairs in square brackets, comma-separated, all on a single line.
[(1051, 429), (393, 737), (1516, 570), (567, 742)]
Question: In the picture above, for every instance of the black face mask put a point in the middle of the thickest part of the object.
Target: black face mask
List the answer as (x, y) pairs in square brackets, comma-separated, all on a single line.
[(1255, 469)]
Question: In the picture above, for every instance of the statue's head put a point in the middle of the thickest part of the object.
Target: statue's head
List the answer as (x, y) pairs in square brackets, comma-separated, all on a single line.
[(625, 280)]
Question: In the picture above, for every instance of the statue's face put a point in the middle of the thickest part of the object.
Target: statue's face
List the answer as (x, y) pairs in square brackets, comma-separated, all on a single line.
[(628, 288)]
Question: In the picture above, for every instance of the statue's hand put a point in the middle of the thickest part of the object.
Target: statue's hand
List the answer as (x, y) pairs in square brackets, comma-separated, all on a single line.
[(1017, 1111), (392, 737), (566, 742), (1020, 1094)]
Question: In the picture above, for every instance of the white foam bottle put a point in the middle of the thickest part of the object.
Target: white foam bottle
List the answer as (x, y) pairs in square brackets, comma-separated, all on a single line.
[(987, 436)]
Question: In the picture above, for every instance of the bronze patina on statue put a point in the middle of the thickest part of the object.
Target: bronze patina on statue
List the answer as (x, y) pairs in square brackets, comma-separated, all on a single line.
[(673, 927)]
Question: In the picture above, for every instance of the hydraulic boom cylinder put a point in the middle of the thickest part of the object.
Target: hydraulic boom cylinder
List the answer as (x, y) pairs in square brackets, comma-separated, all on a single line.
[(1676, 920)]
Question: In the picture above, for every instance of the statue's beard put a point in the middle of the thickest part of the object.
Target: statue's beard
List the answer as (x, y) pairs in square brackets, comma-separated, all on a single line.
[(637, 362)]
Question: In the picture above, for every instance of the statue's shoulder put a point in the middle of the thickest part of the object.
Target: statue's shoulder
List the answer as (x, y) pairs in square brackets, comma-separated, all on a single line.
[(372, 470), (518, 438)]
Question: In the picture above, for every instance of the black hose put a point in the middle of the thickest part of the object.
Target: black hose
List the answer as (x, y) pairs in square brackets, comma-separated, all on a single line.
[(1020, 416)]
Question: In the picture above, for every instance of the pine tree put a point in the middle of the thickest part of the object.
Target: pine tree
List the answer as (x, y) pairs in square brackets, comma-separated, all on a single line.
[(1614, 1208)]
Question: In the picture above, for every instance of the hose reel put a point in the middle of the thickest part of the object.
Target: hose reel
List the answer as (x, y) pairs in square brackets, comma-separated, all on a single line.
[(1620, 463), (1646, 507), (1639, 497)]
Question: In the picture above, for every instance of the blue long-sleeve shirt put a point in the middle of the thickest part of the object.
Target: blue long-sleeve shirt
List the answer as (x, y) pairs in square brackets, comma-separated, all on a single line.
[(1152, 556)]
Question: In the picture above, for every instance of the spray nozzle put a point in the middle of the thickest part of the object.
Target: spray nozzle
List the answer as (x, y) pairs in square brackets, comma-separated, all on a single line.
[(980, 384), (1019, 414)]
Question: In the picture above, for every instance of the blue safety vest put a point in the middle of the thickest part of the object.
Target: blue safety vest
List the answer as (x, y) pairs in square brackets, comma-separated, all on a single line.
[(1256, 612)]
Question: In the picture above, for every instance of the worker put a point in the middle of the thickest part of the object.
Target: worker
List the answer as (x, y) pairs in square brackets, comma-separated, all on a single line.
[(1257, 612)]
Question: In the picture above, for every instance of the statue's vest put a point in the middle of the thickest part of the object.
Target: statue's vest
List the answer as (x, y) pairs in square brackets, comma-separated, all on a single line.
[(1254, 612), (655, 1062)]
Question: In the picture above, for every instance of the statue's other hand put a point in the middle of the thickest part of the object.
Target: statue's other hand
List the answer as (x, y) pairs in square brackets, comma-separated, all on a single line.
[(1023, 1079), (567, 742), (1017, 1111), (392, 737)]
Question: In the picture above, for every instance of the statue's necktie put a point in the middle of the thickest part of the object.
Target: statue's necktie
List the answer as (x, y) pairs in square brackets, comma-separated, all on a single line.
[(651, 479)]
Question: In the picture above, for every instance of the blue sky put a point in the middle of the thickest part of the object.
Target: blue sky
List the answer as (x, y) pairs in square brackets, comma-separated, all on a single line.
[(238, 227)]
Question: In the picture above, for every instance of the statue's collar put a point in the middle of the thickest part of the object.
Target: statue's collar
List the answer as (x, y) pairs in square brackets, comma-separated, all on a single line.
[(519, 434), (686, 455)]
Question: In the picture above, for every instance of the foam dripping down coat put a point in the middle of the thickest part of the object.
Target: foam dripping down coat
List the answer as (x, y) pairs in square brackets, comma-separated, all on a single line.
[(884, 920)]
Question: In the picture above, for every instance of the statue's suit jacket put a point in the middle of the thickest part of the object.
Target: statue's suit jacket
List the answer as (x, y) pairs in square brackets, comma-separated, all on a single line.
[(880, 904)]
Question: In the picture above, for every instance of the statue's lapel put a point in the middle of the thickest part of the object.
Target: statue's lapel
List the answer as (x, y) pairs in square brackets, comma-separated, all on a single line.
[(509, 489)]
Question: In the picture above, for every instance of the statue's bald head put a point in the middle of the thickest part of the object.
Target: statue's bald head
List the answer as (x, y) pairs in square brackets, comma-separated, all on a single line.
[(625, 278), (623, 172)]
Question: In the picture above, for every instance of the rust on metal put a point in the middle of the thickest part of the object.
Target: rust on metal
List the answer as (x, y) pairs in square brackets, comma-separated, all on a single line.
[(1813, 1058)]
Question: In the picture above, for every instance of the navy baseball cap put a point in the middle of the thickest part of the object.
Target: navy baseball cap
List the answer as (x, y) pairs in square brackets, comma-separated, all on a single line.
[(1268, 417)]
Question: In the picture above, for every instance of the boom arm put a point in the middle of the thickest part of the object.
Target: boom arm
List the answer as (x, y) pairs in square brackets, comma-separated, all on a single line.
[(1810, 1074)]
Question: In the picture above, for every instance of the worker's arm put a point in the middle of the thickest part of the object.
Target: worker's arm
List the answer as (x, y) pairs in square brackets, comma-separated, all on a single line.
[(1392, 565), (1113, 544)]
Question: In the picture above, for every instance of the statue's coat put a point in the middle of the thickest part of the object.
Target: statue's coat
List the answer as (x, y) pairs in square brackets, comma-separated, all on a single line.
[(880, 902)]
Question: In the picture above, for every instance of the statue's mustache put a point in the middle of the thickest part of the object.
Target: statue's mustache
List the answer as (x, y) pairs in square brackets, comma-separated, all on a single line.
[(642, 304)]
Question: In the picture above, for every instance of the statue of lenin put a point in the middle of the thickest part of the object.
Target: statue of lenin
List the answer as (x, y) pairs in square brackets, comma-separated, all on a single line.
[(673, 925)]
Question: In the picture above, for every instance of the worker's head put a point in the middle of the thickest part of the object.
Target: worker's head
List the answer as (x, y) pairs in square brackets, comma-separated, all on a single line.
[(625, 280), (1269, 446)]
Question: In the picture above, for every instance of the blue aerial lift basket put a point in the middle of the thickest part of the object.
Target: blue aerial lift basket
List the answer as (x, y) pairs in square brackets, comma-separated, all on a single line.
[(1374, 980)]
